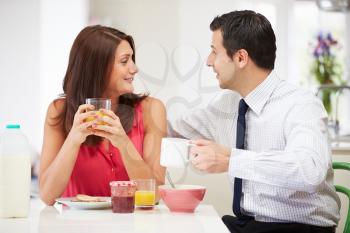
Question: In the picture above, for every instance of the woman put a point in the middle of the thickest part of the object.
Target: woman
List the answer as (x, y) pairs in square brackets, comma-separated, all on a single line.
[(80, 156)]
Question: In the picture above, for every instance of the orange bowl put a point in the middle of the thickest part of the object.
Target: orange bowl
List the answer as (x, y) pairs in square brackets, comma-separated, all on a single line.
[(184, 198)]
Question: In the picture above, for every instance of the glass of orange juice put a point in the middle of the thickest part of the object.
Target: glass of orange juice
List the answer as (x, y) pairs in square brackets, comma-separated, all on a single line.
[(145, 194), (99, 103)]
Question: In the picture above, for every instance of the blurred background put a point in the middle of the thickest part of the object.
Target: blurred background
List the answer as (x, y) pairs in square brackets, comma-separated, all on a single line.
[(173, 40)]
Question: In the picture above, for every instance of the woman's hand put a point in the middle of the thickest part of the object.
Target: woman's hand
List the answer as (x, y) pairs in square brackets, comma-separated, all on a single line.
[(112, 130), (82, 128)]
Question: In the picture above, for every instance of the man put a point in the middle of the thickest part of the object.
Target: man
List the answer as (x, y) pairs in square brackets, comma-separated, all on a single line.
[(273, 142)]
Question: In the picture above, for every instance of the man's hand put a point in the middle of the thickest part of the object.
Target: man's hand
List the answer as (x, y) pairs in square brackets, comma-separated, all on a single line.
[(207, 156)]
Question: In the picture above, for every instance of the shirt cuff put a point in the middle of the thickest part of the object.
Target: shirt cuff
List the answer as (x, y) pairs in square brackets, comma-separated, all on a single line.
[(239, 164)]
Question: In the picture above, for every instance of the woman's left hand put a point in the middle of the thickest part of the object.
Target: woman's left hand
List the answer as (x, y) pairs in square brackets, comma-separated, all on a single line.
[(112, 129)]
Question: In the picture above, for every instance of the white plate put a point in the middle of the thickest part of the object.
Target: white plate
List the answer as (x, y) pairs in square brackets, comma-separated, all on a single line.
[(85, 205)]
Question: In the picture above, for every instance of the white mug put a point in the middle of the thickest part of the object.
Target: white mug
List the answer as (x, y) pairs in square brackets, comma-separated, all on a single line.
[(175, 152)]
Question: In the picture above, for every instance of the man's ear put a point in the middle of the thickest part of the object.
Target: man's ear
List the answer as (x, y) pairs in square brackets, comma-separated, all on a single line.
[(242, 57)]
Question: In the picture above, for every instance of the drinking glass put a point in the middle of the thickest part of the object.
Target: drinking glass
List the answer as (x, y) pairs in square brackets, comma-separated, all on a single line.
[(123, 196), (98, 103), (145, 194)]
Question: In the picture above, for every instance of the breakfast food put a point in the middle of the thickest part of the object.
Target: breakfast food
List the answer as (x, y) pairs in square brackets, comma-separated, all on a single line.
[(87, 198)]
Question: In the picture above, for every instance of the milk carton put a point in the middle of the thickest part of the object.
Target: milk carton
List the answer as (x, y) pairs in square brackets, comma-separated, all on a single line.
[(14, 173)]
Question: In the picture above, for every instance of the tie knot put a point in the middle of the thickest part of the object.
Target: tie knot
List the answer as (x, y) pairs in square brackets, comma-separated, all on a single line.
[(243, 107)]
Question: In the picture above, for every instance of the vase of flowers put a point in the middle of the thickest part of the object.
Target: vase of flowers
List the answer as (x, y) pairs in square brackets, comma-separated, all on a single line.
[(325, 68)]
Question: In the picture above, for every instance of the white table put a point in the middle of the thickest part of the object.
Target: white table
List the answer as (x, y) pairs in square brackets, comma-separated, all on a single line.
[(52, 219)]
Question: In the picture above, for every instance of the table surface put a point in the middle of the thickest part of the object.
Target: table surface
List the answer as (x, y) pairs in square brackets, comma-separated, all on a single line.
[(57, 218)]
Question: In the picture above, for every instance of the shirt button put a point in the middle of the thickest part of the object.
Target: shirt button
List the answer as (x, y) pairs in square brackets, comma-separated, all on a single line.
[(111, 154)]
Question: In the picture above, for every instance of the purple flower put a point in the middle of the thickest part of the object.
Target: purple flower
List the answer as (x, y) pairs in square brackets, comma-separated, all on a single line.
[(324, 44), (325, 67)]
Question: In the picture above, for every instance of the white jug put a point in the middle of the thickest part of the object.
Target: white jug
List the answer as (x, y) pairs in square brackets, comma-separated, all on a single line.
[(15, 173)]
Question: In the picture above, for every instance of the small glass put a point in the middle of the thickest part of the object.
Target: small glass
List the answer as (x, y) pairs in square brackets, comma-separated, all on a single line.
[(123, 196), (99, 103), (145, 194)]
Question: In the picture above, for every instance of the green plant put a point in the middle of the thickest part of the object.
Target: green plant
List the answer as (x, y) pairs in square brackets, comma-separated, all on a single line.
[(325, 68)]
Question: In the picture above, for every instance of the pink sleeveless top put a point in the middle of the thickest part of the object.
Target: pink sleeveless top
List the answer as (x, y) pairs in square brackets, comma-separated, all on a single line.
[(95, 167)]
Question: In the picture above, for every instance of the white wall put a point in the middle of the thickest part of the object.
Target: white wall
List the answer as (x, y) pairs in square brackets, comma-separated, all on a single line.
[(20, 65)]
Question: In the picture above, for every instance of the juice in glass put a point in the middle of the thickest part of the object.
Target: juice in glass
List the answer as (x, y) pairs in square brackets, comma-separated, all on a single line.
[(145, 194), (145, 199), (99, 114), (98, 103)]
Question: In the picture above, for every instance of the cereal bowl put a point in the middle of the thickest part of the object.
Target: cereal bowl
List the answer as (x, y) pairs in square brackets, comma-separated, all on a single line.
[(184, 198)]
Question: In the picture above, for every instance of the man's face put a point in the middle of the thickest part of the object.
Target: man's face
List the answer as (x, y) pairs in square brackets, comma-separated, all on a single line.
[(223, 65)]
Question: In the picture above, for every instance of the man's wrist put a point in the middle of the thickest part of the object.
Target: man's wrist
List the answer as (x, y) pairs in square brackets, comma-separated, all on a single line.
[(225, 161)]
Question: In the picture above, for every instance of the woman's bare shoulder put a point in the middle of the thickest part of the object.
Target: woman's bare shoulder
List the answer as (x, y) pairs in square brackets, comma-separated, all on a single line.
[(55, 109), (154, 113), (152, 103)]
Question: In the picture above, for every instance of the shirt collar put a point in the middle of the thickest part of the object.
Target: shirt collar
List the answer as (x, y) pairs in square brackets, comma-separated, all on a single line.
[(257, 98)]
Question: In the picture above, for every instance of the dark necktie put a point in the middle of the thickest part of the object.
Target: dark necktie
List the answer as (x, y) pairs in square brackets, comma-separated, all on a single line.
[(243, 107)]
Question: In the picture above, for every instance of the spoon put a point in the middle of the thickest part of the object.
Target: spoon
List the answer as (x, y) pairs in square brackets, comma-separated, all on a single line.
[(169, 179)]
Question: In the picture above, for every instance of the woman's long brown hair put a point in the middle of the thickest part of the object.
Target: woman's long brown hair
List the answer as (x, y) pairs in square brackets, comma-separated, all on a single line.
[(89, 68)]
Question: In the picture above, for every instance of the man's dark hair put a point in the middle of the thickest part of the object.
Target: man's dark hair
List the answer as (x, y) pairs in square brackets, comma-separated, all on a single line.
[(250, 31)]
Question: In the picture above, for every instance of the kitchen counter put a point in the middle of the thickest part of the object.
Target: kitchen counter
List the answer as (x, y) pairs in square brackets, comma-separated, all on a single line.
[(58, 218)]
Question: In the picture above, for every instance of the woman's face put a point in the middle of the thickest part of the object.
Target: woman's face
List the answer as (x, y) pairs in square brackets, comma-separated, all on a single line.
[(123, 70)]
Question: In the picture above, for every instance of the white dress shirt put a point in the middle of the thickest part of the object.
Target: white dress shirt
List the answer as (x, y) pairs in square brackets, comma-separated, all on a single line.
[(286, 167)]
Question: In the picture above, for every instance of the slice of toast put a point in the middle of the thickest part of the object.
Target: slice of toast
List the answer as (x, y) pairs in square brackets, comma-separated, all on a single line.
[(87, 198)]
